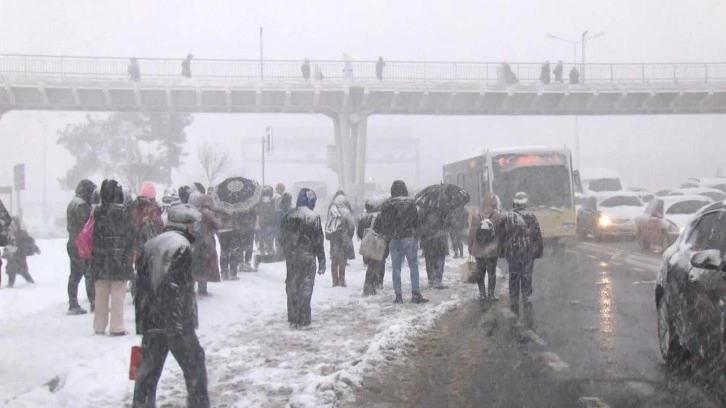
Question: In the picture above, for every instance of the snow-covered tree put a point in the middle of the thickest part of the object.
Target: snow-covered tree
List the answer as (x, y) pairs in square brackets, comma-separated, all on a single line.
[(213, 159)]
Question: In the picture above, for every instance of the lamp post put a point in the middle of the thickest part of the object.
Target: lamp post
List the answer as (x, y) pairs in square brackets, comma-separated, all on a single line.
[(44, 124)]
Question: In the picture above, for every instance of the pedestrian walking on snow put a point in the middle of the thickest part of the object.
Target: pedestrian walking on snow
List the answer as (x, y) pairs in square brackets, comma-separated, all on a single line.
[(77, 214), (111, 258), (20, 246), (205, 265), (399, 221), (482, 242), (375, 269), (5, 220), (301, 236), (339, 230), (166, 311)]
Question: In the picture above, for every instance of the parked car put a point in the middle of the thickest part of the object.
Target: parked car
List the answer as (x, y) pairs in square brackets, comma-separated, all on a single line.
[(719, 183), (579, 201), (712, 193), (611, 214), (690, 292), (663, 192), (665, 218)]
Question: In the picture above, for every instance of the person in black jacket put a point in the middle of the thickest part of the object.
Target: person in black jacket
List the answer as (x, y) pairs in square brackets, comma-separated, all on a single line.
[(5, 220), (434, 234), (399, 221), (20, 246), (166, 311), (301, 236), (77, 214), (113, 244)]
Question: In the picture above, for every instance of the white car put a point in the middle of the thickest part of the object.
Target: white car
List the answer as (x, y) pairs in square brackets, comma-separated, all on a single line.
[(719, 183), (595, 181), (712, 193), (611, 214), (665, 218)]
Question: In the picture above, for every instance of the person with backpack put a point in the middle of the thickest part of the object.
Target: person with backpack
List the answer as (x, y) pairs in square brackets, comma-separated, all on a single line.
[(520, 243), (19, 247), (77, 214), (303, 243), (375, 269), (339, 230), (483, 246)]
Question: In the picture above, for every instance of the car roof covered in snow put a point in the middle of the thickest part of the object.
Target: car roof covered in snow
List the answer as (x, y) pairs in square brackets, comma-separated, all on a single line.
[(670, 200), (695, 191), (594, 174)]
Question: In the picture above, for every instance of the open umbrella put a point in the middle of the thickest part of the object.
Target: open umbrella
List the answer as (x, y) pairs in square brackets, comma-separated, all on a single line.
[(442, 197), (237, 194)]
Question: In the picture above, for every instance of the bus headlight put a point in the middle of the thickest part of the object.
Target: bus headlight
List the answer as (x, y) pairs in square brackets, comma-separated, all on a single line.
[(604, 221)]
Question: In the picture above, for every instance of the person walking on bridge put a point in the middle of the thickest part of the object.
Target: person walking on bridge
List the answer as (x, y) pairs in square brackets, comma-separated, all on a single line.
[(133, 70), (380, 64), (187, 66), (558, 72), (305, 68)]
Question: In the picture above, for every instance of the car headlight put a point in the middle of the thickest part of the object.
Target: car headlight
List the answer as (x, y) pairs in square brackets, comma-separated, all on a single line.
[(604, 221), (680, 231)]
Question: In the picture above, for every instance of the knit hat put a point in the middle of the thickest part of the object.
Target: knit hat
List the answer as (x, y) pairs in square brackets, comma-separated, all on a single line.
[(148, 190)]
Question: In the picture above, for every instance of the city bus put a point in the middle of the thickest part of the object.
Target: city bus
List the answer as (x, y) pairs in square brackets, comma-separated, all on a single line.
[(545, 174)]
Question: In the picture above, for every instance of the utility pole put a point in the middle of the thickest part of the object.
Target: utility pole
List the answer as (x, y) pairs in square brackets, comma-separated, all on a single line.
[(584, 40), (262, 60)]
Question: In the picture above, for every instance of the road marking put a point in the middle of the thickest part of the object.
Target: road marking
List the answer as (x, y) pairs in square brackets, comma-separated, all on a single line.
[(592, 256), (592, 402), (554, 361), (644, 282)]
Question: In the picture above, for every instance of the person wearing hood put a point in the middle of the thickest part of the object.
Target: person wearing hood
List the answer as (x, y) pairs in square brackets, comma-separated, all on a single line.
[(146, 215), (399, 221), (205, 266), (111, 262), (20, 246), (482, 243), (166, 310), (521, 243), (302, 239), (375, 269), (339, 230), (77, 214)]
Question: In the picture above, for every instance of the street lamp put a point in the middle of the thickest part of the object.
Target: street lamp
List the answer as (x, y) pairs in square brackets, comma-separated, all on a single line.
[(571, 42), (585, 37)]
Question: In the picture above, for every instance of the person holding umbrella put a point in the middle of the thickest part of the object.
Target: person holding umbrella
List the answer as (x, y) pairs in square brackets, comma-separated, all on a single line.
[(302, 239)]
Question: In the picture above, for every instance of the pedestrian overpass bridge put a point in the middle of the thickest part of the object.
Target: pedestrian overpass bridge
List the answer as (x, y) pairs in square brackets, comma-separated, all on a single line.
[(69, 83)]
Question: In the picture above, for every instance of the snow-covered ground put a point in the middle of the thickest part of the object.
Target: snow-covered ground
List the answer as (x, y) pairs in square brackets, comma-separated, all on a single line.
[(253, 358)]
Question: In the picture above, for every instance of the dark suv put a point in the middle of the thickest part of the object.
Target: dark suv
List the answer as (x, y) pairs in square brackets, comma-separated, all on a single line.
[(690, 291)]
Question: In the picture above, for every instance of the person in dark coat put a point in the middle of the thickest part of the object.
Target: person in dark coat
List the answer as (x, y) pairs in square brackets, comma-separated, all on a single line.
[(305, 68), (77, 214), (340, 235), (248, 223), (184, 194), (434, 231), (544, 75), (268, 221), (521, 243), (375, 269), (574, 76), (380, 64), (166, 311), (111, 258), (146, 215), (488, 218), (20, 246), (5, 220), (206, 263), (559, 69), (187, 66), (301, 236), (399, 221), (133, 70), (459, 224)]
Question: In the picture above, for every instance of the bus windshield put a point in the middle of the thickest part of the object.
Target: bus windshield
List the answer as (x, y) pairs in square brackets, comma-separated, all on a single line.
[(546, 186)]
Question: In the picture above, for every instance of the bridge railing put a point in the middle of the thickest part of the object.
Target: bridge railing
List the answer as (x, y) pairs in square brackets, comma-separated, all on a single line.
[(67, 68)]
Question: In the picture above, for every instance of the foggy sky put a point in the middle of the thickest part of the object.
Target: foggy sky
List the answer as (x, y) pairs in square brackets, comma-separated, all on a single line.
[(649, 151)]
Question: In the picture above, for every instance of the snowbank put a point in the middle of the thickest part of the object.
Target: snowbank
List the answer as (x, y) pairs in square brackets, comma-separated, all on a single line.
[(253, 358)]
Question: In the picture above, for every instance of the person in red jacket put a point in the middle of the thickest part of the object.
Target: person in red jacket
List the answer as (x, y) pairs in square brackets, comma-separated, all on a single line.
[(146, 215)]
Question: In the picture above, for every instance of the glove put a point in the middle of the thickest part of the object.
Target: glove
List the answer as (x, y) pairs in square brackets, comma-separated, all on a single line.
[(321, 271)]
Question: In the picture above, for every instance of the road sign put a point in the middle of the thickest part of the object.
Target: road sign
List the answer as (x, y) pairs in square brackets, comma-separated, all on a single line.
[(268, 140), (19, 176)]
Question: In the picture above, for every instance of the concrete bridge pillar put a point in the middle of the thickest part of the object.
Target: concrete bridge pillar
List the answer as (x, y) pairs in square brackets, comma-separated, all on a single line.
[(351, 131)]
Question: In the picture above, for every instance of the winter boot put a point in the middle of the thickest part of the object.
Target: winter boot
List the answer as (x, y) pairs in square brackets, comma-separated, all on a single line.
[(417, 298), (341, 277), (76, 310), (399, 299)]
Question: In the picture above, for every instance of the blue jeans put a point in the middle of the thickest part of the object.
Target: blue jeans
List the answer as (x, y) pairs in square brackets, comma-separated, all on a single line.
[(400, 248), (520, 281)]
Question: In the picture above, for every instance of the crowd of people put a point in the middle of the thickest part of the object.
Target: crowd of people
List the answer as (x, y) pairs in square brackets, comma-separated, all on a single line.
[(168, 252)]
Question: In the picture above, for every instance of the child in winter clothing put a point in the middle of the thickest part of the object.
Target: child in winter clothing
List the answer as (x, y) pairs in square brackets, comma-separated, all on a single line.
[(20, 246)]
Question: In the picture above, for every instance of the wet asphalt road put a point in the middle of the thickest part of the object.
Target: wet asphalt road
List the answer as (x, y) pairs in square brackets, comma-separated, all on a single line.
[(594, 344)]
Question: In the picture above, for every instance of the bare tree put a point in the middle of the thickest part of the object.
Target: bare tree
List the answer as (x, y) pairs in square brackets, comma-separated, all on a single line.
[(214, 160)]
